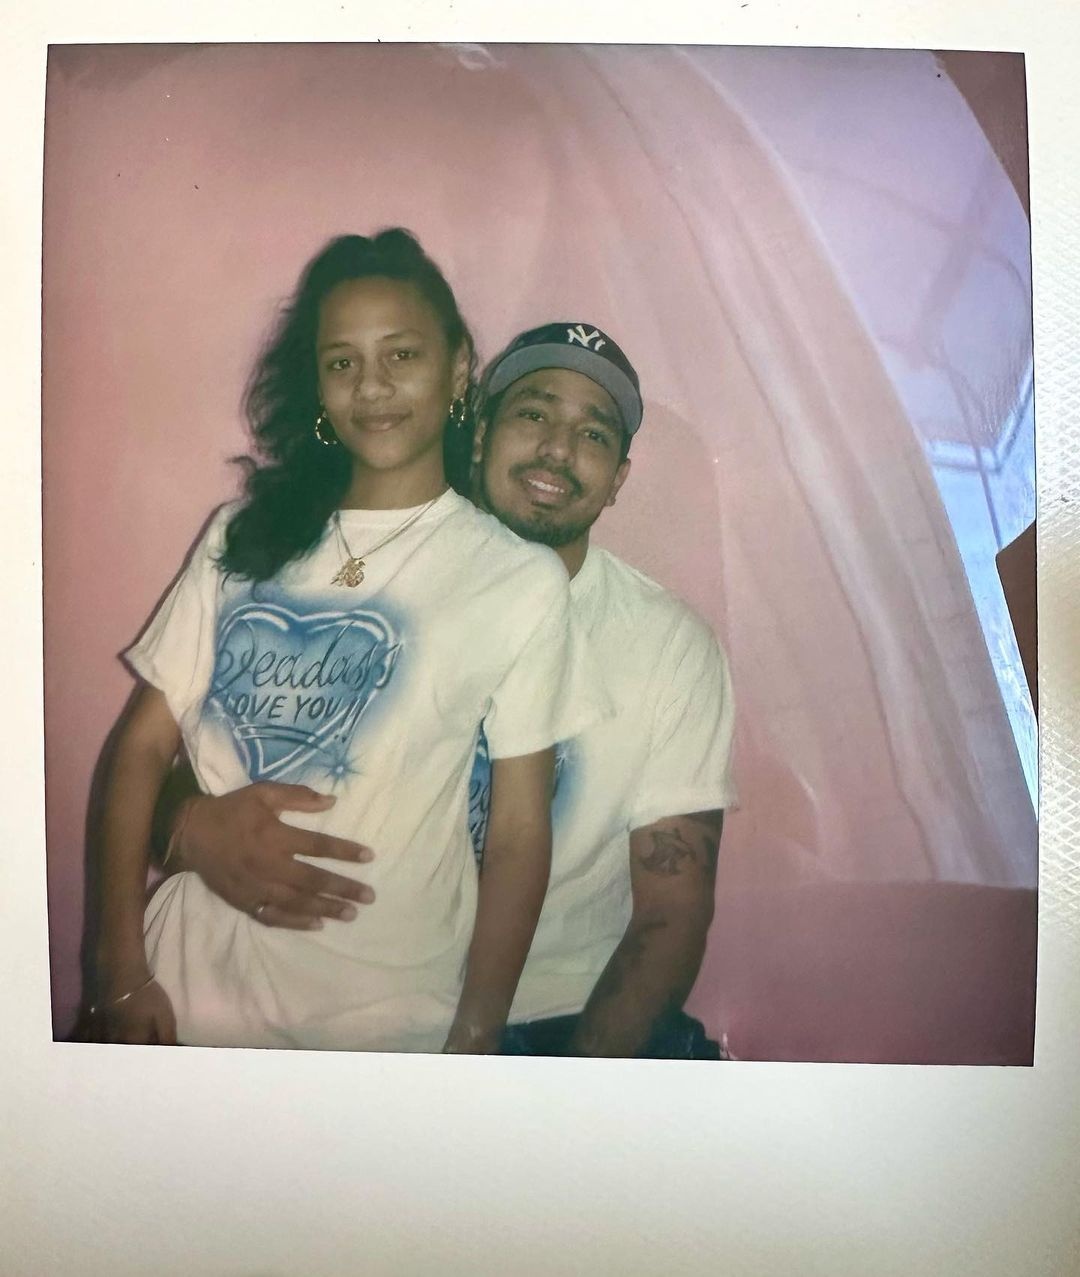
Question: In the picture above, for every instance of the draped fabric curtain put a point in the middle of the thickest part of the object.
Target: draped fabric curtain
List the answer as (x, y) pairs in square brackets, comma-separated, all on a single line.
[(778, 484), (874, 745), (926, 226)]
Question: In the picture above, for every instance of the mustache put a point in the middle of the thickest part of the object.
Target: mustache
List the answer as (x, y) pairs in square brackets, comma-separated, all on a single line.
[(556, 472)]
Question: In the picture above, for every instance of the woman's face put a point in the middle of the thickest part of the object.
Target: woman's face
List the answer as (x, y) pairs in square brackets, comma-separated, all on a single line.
[(386, 374)]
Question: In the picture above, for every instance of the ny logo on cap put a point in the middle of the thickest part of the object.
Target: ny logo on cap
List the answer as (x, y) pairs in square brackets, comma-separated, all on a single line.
[(593, 340)]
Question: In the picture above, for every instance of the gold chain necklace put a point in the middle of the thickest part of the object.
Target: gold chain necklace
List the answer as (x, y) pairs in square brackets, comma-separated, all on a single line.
[(351, 572)]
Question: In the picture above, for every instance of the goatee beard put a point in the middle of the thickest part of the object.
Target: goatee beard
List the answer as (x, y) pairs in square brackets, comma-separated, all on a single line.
[(541, 532), (537, 528)]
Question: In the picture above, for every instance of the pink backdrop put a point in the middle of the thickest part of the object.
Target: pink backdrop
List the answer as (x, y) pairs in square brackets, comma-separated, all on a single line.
[(875, 900)]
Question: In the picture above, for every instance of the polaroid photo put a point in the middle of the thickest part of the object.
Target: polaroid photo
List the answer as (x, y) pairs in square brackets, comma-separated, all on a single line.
[(659, 414)]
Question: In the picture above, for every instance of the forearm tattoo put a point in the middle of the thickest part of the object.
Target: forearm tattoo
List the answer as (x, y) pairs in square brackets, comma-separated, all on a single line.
[(691, 840), (626, 958)]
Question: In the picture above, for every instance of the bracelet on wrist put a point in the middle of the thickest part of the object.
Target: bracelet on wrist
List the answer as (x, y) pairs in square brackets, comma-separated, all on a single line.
[(178, 831), (115, 1002)]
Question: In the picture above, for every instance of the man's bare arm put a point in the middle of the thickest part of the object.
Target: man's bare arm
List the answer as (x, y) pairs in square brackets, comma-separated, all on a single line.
[(672, 879), (244, 853)]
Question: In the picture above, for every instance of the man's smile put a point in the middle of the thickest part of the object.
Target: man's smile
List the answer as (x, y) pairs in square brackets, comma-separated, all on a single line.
[(547, 487)]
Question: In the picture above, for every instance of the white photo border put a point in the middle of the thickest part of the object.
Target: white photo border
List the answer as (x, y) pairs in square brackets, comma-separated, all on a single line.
[(127, 1160)]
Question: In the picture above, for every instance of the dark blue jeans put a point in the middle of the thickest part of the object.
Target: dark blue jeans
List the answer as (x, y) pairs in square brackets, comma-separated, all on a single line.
[(675, 1036)]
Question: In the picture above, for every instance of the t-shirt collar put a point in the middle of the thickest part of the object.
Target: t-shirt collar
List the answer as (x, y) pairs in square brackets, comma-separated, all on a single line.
[(587, 574)]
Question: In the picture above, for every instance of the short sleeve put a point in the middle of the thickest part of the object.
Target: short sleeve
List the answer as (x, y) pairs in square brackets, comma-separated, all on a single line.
[(553, 690), (689, 761), (175, 651)]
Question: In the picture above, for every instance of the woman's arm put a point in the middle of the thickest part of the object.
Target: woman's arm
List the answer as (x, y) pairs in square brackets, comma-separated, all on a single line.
[(513, 880), (132, 1008)]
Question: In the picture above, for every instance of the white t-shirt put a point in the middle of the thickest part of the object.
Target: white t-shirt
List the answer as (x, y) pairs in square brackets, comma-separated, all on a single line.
[(666, 751), (375, 694)]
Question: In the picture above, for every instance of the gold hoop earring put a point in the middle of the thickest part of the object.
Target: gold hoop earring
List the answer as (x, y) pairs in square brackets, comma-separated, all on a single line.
[(457, 412), (320, 421)]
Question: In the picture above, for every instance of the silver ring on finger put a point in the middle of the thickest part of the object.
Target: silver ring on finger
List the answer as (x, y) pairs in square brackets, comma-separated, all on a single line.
[(259, 909)]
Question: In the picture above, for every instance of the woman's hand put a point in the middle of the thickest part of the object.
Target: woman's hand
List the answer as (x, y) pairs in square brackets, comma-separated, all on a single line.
[(469, 1040), (145, 1018)]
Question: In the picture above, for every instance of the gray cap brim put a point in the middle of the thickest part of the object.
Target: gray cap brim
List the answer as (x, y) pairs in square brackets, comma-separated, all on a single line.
[(519, 363)]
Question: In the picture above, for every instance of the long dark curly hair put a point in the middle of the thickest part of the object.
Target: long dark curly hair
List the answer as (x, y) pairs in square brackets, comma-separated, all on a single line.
[(293, 483)]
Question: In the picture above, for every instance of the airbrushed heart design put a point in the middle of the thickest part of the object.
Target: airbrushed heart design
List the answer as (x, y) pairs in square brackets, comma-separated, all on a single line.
[(480, 786), (293, 688)]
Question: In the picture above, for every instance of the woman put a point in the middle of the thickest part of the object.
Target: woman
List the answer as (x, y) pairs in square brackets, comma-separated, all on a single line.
[(350, 625)]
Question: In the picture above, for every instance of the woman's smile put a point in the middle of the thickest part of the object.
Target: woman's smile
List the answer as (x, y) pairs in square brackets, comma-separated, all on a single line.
[(376, 423)]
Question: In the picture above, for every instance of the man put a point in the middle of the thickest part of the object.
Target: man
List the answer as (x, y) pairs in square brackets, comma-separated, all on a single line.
[(638, 805)]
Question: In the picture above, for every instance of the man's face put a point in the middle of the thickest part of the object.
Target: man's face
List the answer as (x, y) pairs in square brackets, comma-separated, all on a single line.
[(550, 458)]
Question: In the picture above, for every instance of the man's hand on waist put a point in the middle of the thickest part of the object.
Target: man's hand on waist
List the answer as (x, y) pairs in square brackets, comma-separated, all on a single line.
[(244, 853)]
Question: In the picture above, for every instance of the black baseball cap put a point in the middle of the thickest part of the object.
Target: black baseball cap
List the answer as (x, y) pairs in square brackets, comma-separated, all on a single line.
[(580, 348)]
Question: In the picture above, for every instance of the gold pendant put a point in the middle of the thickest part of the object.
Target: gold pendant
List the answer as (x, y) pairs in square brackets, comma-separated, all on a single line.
[(350, 574)]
